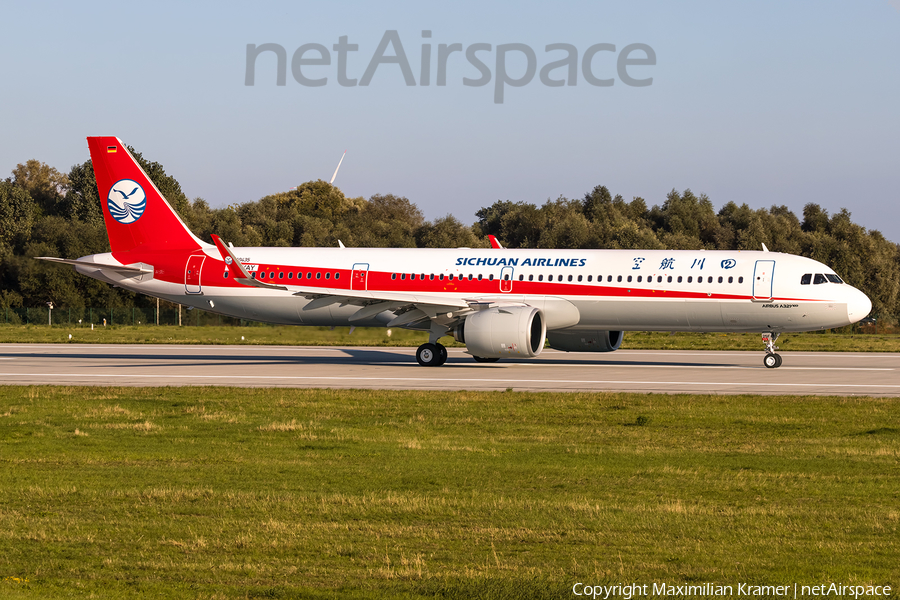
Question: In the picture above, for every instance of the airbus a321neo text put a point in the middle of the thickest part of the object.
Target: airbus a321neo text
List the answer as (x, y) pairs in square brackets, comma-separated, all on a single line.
[(498, 302)]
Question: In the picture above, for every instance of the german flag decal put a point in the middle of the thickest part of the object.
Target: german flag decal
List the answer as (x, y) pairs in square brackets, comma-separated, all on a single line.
[(111, 149)]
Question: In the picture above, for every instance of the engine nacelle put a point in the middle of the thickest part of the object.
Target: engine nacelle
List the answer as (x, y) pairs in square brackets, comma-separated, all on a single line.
[(584, 340), (503, 331)]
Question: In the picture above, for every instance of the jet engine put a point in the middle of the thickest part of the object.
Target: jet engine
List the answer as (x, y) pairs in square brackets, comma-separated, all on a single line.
[(503, 331), (584, 340)]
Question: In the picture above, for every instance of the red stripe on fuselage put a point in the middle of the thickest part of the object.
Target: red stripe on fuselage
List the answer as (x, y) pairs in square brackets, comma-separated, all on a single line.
[(170, 268)]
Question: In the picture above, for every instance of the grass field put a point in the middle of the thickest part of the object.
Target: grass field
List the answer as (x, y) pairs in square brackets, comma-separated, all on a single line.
[(364, 336), (223, 493)]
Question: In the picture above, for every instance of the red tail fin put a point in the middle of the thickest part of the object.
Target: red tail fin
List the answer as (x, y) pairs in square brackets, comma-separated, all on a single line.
[(136, 214)]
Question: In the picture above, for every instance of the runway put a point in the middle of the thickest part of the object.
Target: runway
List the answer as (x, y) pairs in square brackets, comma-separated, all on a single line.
[(697, 372)]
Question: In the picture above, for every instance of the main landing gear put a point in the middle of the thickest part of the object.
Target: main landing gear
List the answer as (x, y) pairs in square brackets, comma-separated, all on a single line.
[(431, 355), (771, 360)]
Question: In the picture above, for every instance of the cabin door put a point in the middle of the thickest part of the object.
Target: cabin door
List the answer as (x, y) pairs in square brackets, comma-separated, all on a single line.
[(192, 273), (506, 279), (359, 277), (762, 279)]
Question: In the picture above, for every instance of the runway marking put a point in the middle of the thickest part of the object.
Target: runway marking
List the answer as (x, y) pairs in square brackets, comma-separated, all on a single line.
[(457, 380), (629, 366)]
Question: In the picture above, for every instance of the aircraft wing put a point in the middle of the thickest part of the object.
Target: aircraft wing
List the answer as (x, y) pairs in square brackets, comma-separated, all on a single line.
[(408, 307)]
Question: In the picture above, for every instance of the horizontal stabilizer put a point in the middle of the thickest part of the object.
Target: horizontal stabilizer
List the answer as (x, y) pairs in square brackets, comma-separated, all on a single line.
[(128, 270)]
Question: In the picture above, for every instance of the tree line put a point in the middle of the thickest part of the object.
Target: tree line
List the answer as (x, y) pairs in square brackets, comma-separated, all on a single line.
[(47, 213)]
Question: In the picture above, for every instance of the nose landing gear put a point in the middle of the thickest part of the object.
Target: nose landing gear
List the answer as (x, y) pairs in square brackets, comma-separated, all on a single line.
[(771, 360)]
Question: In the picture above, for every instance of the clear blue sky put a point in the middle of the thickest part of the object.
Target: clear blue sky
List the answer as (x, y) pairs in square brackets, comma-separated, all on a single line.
[(757, 102)]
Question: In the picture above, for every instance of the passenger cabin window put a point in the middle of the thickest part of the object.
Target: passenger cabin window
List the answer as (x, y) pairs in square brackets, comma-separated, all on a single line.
[(619, 279), (819, 279), (806, 279)]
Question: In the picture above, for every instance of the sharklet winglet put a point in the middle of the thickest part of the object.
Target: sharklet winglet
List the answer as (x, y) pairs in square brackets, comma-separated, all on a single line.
[(237, 269)]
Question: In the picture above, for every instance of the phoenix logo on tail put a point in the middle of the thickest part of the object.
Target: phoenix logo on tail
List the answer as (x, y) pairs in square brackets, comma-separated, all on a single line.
[(126, 201)]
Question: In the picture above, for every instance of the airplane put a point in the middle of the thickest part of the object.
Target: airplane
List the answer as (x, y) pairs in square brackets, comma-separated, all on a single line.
[(499, 302)]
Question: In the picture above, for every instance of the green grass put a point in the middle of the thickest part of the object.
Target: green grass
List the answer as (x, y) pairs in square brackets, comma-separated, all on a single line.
[(261, 493), (251, 335), (365, 336)]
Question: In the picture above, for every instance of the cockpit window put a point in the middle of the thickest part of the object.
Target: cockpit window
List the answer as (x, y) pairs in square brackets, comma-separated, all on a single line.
[(833, 278), (806, 279), (819, 279)]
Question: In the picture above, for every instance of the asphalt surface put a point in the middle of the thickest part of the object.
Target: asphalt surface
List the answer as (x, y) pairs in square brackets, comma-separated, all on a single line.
[(699, 372)]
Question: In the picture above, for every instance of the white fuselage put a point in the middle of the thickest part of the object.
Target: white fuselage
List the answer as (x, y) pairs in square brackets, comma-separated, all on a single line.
[(664, 290)]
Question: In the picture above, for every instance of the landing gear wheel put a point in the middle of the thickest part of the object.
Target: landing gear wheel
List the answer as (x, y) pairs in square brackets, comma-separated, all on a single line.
[(442, 354), (429, 355), (485, 359), (771, 360)]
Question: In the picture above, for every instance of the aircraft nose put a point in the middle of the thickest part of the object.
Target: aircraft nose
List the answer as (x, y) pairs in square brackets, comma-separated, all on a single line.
[(858, 306)]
